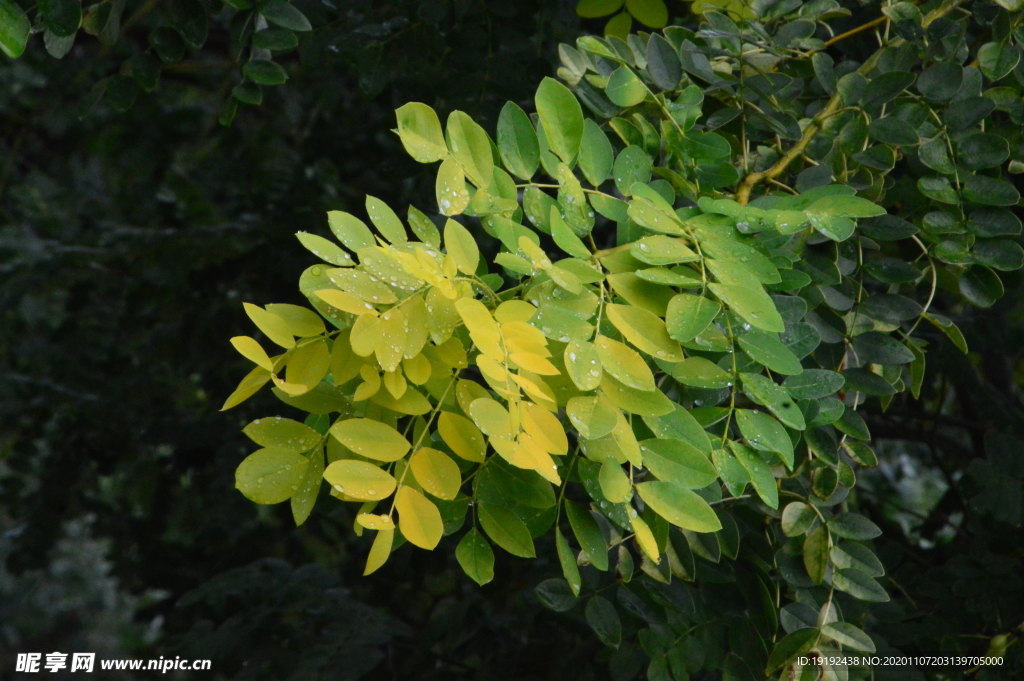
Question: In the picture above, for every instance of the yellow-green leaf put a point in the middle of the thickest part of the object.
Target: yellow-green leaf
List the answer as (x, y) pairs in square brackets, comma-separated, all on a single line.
[(624, 364), (299, 321), (461, 245), (380, 551), (350, 230), (252, 351), (385, 220), (302, 502), (282, 433), (418, 518), (471, 148), (462, 436), (273, 327), (752, 304), (679, 506), (583, 364), (324, 249), (420, 131), (450, 188), (271, 475), (360, 480), (308, 364), (645, 330), (688, 315), (565, 238), (372, 439), (372, 521), (249, 386), (436, 472), (615, 484)]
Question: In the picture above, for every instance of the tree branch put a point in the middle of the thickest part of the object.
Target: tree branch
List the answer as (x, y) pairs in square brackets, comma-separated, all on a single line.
[(834, 104)]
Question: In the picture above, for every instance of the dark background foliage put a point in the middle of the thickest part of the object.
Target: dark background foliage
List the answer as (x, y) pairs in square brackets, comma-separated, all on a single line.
[(129, 239)]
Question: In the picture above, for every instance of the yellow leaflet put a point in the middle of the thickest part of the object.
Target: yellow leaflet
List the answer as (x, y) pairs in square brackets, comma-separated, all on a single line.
[(493, 370), (624, 437), (506, 448), (461, 246), (308, 364), (273, 327), (411, 402), (416, 325), (300, 321), (645, 330), (476, 316), (535, 253), (395, 383), (362, 285), (418, 518), (462, 436), (536, 388), (514, 311), (372, 439), (252, 351), (436, 472), (545, 428), (442, 315), (365, 335), (624, 364), (346, 302), (359, 480), (489, 344), (372, 521), (522, 337), (345, 364), (370, 385), (290, 388), (248, 387), (391, 344), (417, 369), (491, 418), (450, 188), (467, 391), (534, 363), (530, 452), (452, 353), (645, 538), (380, 551)]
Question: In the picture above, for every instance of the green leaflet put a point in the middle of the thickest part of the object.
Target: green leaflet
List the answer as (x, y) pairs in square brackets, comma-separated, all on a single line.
[(517, 142), (596, 155), (768, 350), (701, 373), (760, 474), (588, 534), (775, 398), (764, 433), (385, 220), (506, 530), (753, 305), (564, 237), (688, 315), (562, 118), (475, 557), (678, 462)]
